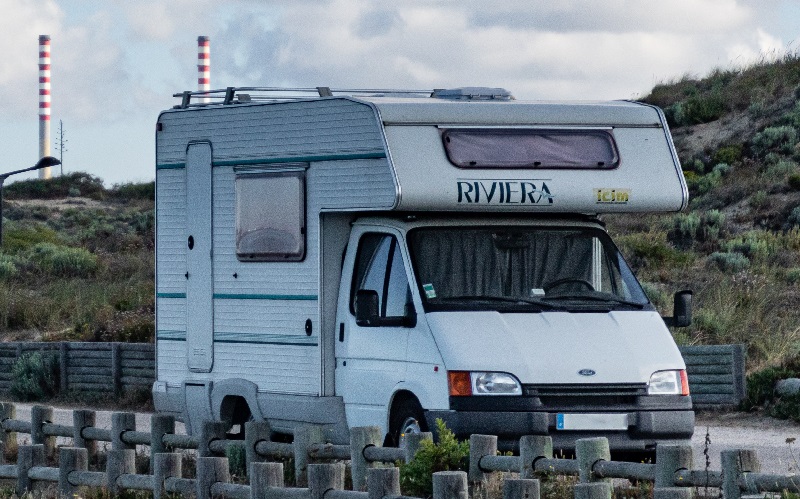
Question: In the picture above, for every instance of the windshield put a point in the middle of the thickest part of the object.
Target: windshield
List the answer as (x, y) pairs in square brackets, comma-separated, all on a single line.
[(522, 268)]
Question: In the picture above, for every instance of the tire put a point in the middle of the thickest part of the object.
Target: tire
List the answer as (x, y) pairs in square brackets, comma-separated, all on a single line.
[(407, 417)]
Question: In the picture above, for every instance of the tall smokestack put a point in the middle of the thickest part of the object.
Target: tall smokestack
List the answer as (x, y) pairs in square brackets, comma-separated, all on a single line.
[(203, 66), (44, 102)]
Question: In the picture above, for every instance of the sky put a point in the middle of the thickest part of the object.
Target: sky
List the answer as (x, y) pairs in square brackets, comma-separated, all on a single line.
[(116, 63)]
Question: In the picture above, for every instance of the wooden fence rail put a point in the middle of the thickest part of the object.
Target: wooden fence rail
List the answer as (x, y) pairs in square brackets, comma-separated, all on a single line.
[(672, 474)]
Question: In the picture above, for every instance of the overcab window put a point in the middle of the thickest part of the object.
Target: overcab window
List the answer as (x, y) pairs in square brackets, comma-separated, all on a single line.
[(270, 216), (530, 148)]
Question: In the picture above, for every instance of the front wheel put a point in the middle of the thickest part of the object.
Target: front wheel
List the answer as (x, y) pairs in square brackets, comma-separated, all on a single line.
[(406, 418)]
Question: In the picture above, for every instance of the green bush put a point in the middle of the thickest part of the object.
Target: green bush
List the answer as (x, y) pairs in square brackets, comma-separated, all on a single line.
[(17, 237), (63, 261), (729, 154), (237, 462), (794, 216), (793, 275), (729, 261), (777, 138), (130, 191), (761, 386), (416, 476), (8, 267), (781, 169), (35, 376)]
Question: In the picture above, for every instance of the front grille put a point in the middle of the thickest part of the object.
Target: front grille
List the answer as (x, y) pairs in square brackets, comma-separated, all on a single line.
[(586, 397)]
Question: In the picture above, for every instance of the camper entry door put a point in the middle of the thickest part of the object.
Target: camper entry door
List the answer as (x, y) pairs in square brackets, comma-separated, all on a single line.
[(200, 271)]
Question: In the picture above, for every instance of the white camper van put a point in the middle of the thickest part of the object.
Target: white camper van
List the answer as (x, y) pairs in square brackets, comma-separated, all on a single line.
[(354, 258)]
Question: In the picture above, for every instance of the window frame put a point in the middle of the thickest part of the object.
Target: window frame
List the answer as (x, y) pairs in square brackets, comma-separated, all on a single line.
[(298, 172), (607, 134)]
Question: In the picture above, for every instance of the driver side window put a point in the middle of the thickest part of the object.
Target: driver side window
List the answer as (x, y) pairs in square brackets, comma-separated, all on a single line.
[(380, 268)]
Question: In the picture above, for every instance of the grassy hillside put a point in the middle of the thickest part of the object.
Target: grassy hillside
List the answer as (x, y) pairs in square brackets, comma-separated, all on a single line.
[(738, 246), (77, 261)]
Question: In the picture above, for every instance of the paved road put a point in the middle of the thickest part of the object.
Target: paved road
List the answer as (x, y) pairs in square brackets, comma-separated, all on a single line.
[(726, 431)]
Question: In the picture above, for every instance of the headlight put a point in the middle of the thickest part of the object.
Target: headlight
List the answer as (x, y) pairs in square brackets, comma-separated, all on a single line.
[(668, 383), (465, 383)]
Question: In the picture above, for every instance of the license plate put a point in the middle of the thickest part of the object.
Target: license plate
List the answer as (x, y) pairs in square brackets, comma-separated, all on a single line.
[(591, 421)]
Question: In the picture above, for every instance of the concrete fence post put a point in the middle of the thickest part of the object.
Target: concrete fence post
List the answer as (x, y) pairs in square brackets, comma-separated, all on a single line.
[(255, 432), (479, 446), (735, 463), (669, 460), (71, 459), (211, 470), (63, 366), (8, 439), (450, 485), (120, 423), (382, 482), (521, 489), (40, 416), (531, 448), (116, 368), (211, 430), (593, 490), (119, 462), (263, 476), (82, 419), (303, 437), (324, 477), (160, 425), (587, 452), (28, 456), (414, 442), (165, 465), (361, 438)]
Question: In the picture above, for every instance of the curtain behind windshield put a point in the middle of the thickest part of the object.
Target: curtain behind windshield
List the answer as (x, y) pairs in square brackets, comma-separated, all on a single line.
[(514, 262)]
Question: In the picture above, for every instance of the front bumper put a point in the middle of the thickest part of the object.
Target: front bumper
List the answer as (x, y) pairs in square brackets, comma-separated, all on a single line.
[(645, 428)]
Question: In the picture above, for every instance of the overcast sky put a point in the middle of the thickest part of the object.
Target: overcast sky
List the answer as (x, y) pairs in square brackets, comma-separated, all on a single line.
[(116, 63)]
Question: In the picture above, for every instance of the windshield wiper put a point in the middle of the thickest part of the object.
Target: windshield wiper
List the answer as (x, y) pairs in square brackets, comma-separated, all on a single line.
[(507, 299), (605, 298)]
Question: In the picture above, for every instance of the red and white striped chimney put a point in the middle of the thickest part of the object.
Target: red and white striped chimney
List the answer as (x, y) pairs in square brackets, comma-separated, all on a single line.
[(44, 102), (203, 66)]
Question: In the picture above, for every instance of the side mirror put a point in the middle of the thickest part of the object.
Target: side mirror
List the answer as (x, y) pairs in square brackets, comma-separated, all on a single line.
[(366, 306), (410, 316), (682, 309)]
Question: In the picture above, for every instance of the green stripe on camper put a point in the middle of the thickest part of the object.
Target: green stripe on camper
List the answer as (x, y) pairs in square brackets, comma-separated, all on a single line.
[(171, 335), (266, 339), (245, 296), (287, 159), (250, 296)]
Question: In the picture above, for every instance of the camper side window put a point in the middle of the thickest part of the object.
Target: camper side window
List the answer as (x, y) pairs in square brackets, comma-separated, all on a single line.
[(270, 217), (380, 268)]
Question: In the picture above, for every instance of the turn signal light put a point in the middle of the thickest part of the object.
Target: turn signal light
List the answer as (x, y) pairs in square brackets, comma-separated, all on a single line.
[(460, 383), (684, 383)]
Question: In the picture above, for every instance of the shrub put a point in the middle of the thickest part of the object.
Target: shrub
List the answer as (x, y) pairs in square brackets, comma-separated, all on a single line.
[(793, 275), (63, 261), (761, 386), (8, 268), (131, 191), (416, 476), (759, 199), (794, 216), (729, 261), (18, 238), (237, 462), (777, 138), (728, 154), (35, 376)]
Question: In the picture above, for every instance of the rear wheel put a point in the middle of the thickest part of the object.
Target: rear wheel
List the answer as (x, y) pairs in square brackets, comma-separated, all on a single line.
[(406, 418)]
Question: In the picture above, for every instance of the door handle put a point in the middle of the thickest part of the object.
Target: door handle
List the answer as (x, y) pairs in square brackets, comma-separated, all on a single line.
[(341, 332)]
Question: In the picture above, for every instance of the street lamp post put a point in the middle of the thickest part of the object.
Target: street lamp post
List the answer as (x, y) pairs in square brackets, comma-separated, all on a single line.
[(42, 163)]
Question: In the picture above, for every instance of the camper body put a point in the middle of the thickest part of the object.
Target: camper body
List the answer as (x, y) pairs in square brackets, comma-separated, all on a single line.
[(374, 260)]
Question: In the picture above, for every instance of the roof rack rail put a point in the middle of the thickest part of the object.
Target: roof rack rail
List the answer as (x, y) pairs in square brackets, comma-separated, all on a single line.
[(237, 95)]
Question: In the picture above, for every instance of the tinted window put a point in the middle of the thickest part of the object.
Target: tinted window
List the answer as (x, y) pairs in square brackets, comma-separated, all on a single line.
[(530, 148), (380, 267)]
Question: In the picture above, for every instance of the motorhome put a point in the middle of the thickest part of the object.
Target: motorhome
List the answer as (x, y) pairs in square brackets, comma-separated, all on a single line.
[(385, 258)]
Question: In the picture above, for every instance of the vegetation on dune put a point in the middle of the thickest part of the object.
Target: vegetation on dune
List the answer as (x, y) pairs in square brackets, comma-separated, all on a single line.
[(77, 260), (737, 133)]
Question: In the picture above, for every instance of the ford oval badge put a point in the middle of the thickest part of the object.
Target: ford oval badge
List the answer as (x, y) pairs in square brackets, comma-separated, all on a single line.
[(587, 372)]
